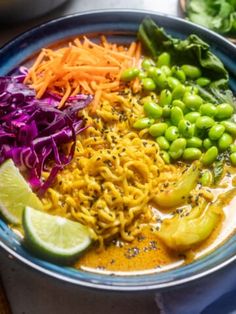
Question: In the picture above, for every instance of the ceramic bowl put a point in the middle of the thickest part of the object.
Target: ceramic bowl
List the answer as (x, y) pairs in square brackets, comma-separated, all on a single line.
[(120, 26)]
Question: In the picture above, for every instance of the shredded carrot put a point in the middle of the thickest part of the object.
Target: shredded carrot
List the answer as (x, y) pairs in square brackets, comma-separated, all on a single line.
[(83, 66)]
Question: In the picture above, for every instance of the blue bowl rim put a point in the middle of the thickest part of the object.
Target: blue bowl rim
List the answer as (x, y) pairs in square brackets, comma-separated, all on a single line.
[(113, 287)]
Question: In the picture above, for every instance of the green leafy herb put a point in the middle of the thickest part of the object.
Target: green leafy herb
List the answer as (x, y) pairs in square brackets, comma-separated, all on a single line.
[(218, 168), (191, 50), (218, 15)]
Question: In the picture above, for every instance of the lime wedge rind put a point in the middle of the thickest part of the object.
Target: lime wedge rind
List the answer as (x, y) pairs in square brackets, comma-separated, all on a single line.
[(15, 193), (36, 236)]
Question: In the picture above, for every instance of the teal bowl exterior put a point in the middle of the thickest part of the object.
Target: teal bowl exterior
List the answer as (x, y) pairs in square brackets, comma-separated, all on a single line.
[(120, 26)]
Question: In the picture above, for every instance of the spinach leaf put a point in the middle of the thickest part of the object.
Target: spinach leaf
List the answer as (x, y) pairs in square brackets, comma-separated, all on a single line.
[(192, 50), (218, 15)]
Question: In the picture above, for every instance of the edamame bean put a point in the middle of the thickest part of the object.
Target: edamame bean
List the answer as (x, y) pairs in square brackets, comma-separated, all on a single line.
[(233, 159), (203, 81), (172, 82), (178, 91), (158, 77), (192, 153), (142, 75), (129, 74), (206, 178), (166, 111), (192, 101), (192, 89), (164, 59), (176, 114), (204, 122), (186, 129), (152, 110), (216, 131), (207, 143), (177, 148), (147, 63), (143, 123), (194, 142), (191, 71), (224, 111), (230, 127), (192, 116), (210, 156), (233, 148), (165, 156), (158, 129), (178, 73), (172, 133), (165, 69), (225, 141), (162, 142), (180, 104), (165, 97), (208, 110), (148, 84)]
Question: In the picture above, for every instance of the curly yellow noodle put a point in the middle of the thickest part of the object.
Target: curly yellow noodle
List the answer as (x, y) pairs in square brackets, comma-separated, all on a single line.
[(115, 173)]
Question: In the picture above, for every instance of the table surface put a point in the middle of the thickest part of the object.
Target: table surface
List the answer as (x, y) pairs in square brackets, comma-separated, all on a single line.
[(32, 293)]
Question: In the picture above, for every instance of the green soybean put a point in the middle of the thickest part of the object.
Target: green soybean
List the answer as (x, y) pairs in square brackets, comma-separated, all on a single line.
[(192, 153), (176, 114), (233, 148), (162, 142), (143, 123), (225, 141), (165, 156), (230, 127), (177, 148), (192, 89), (224, 111), (142, 75), (216, 131), (178, 91), (204, 122), (233, 159), (166, 111), (165, 69), (172, 133), (147, 63), (206, 178), (191, 71), (164, 59), (192, 101), (172, 82), (203, 81), (207, 143), (178, 73), (194, 142), (186, 129), (158, 77), (148, 84), (165, 97), (180, 104), (210, 156), (158, 129), (152, 110), (192, 116), (208, 110), (129, 74)]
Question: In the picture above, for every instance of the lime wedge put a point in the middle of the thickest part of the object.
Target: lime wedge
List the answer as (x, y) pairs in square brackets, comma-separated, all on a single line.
[(15, 193), (54, 238)]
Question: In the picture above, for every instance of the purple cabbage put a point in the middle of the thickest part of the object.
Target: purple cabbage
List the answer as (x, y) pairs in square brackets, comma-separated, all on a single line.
[(33, 131)]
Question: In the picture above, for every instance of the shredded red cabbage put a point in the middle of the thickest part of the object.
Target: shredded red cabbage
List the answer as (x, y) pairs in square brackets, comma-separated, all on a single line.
[(33, 132)]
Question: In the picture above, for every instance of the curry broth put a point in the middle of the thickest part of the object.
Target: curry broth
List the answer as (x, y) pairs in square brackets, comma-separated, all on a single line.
[(147, 254)]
